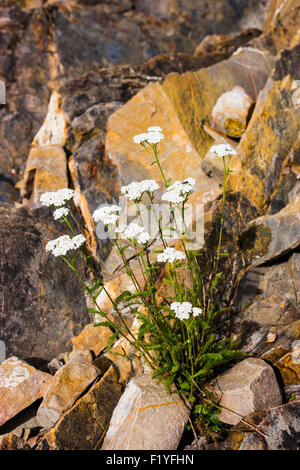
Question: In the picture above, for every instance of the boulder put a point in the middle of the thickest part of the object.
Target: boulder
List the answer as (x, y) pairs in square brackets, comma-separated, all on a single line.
[(20, 386), (84, 425), (142, 416), (249, 386), (67, 385)]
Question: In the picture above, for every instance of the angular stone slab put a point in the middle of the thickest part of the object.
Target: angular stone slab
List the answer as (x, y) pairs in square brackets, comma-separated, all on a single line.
[(84, 425), (67, 385), (20, 386), (146, 418), (249, 386)]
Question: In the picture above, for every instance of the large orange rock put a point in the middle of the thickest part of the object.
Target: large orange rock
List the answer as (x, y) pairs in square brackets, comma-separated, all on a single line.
[(178, 156)]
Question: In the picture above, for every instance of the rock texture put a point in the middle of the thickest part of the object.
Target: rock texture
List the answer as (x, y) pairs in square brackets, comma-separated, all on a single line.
[(278, 430), (43, 303), (67, 385), (20, 386), (134, 424), (84, 425), (249, 386)]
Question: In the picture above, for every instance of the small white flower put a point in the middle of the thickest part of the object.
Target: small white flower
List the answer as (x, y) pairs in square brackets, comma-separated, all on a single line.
[(170, 254), (154, 129), (134, 231), (58, 213), (77, 241), (139, 138), (178, 191), (135, 190), (153, 136), (57, 198), (182, 309), (197, 311), (222, 150), (173, 197), (61, 245), (107, 214)]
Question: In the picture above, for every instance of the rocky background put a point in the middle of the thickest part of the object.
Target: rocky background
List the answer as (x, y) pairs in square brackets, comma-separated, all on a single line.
[(82, 77)]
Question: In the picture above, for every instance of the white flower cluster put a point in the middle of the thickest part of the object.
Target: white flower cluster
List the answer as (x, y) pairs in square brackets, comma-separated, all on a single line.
[(222, 150), (178, 191), (170, 254), (61, 245), (153, 136), (136, 189), (59, 213), (183, 310), (134, 231), (107, 214), (57, 198)]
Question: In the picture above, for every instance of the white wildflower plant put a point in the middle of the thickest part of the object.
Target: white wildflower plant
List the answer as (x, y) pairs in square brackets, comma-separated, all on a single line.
[(107, 214), (176, 338), (60, 213), (170, 255), (135, 190), (57, 198), (222, 150)]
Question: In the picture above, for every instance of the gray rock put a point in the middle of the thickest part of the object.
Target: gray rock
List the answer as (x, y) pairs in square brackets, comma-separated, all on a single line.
[(277, 429), (249, 386)]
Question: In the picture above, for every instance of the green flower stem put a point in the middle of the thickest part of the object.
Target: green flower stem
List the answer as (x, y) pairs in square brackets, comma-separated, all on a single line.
[(155, 152)]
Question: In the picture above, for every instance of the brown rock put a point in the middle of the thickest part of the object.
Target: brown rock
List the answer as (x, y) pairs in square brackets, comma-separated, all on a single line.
[(264, 234), (67, 385), (46, 170), (249, 386), (20, 386), (84, 425), (12, 442), (289, 365), (92, 338), (143, 414)]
